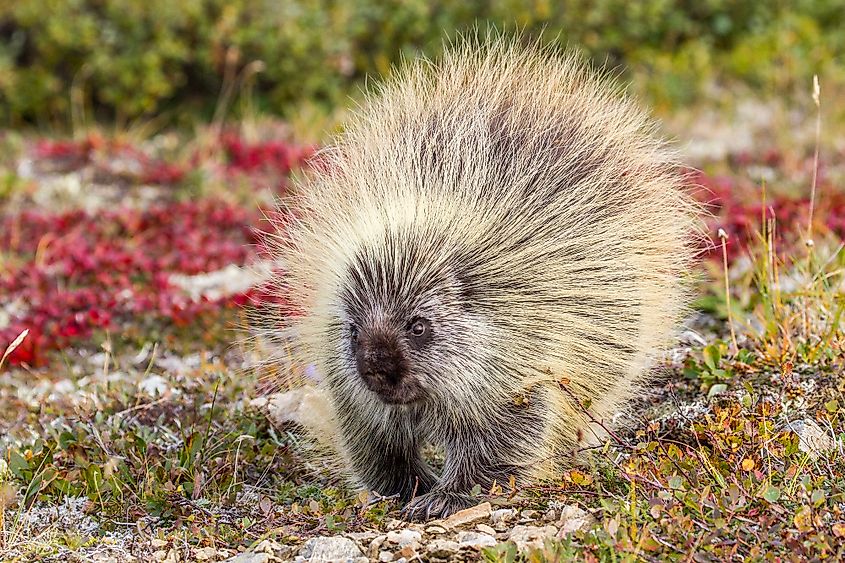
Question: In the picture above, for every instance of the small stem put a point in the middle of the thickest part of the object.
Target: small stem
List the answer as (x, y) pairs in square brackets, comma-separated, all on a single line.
[(817, 100), (724, 236)]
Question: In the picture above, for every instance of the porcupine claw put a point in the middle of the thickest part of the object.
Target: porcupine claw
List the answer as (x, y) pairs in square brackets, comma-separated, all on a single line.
[(436, 504)]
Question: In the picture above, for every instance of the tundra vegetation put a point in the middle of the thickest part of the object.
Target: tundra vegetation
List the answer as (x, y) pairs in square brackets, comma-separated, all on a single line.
[(142, 146)]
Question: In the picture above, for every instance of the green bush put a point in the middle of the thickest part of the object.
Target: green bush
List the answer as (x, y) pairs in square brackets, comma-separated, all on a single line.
[(131, 58)]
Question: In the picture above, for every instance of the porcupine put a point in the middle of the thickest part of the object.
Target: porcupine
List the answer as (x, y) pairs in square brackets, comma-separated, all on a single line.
[(493, 248)]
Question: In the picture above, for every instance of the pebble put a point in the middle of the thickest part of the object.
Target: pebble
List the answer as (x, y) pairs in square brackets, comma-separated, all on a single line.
[(476, 539), (375, 546), (249, 557), (442, 549), (329, 548), (574, 518), (435, 530), (811, 438), (467, 516), (406, 552), (502, 515), (531, 536), (484, 528), (385, 556), (205, 553), (404, 537)]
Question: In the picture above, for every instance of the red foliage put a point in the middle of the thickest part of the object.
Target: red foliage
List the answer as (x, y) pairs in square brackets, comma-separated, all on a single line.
[(87, 272), (740, 211), (273, 156)]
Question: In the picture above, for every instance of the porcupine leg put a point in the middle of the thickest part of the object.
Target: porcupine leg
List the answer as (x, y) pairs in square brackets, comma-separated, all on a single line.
[(502, 445), (386, 457)]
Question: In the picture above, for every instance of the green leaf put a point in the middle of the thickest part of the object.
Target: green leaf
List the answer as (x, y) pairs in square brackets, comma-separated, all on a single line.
[(712, 356), (745, 356), (17, 464), (676, 482), (771, 494), (716, 389)]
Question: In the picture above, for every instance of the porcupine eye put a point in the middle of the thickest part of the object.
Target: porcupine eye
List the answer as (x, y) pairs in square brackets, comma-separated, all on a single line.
[(419, 331), (353, 334)]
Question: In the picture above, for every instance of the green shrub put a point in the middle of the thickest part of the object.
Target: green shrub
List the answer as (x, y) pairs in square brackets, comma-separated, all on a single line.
[(131, 58)]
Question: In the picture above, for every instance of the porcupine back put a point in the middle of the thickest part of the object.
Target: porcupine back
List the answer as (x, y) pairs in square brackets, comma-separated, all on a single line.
[(543, 190)]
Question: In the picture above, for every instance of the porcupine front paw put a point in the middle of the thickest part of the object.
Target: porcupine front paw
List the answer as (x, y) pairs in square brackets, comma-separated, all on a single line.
[(436, 504)]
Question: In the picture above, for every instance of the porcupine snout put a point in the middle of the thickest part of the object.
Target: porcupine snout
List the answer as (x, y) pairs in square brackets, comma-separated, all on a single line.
[(383, 367)]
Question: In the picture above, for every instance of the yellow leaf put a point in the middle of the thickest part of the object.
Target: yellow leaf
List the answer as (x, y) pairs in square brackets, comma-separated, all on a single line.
[(747, 464), (803, 519)]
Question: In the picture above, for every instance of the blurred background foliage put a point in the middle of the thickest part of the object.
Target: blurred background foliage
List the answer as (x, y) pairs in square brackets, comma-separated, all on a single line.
[(129, 59)]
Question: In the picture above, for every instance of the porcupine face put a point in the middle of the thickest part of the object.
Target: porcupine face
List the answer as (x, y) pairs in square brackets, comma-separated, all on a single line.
[(398, 326)]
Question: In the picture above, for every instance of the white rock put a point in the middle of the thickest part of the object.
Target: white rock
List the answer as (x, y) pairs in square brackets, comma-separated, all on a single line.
[(385, 556), (485, 529), (574, 518), (811, 438), (531, 536), (205, 553), (441, 548), (502, 515), (476, 539), (249, 557), (467, 516), (404, 537), (330, 548)]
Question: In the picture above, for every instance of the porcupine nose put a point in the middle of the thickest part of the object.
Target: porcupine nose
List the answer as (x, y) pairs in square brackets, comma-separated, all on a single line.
[(380, 361)]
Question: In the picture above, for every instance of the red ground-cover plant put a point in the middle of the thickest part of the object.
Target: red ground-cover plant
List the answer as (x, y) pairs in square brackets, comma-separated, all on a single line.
[(78, 273), (75, 273), (111, 159), (274, 156), (740, 209)]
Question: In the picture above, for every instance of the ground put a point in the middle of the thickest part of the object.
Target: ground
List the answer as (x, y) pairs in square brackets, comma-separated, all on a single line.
[(138, 422)]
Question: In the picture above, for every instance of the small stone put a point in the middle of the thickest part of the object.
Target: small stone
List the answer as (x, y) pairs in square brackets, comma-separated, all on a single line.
[(269, 546), (442, 549), (476, 539), (159, 555), (249, 557), (385, 556), (375, 546), (550, 515), (467, 516), (811, 438), (205, 553), (529, 514), (362, 537), (484, 528), (406, 552), (574, 518), (502, 515), (330, 548), (404, 537), (531, 536), (435, 530)]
